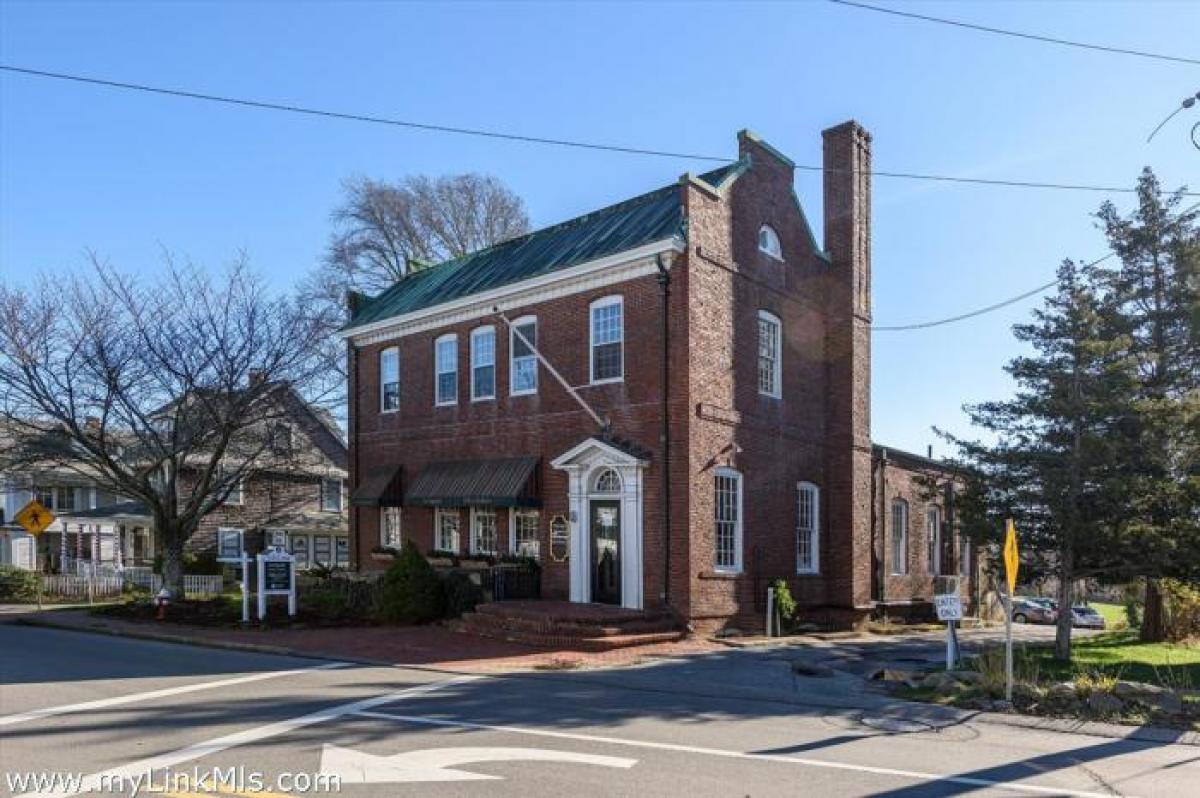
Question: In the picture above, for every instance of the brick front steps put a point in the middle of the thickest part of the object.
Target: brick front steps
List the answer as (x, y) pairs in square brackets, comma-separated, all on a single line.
[(577, 627)]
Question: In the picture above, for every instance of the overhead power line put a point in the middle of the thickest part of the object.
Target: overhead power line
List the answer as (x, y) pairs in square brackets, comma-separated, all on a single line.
[(515, 137), (1015, 34), (971, 314)]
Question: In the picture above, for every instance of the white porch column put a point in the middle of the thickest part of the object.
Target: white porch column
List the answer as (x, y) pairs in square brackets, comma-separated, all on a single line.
[(580, 575)]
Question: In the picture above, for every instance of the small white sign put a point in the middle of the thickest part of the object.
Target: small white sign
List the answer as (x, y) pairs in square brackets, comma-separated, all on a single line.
[(276, 577), (948, 606)]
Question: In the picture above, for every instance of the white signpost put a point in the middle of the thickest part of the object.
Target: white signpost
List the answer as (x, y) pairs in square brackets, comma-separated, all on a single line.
[(949, 609), (276, 577)]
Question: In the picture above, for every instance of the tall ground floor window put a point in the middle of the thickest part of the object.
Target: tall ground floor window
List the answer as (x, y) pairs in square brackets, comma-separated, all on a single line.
[(446, 524), (899, 537), (389, 527), (341, 551), (933, 538), (808, 528), (483, 531), (524, 528), (727, 532)]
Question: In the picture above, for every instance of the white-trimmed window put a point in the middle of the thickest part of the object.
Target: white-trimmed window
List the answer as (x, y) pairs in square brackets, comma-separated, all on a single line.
[(808, 528), (899, 537), (298, 548), (331, 495), (237, 493), (523, 368), (447, 522), (389, 379), (768, 242), (523, 532), (277, 538), (608, 339), (933, 538), (964, 556), (341, 551), (727, 518), (483, 531), (770, 340), (389, 527), (483, 363), (322, 550), (229, 544), (445, 378)]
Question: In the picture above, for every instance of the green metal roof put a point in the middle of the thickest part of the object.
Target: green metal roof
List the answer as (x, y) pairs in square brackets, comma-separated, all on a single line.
[(617, 228)]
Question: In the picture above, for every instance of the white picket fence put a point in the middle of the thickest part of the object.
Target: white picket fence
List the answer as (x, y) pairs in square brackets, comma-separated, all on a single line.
[(71, 586)]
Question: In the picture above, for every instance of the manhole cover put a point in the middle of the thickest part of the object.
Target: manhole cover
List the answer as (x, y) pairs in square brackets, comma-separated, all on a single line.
[(896, 725)]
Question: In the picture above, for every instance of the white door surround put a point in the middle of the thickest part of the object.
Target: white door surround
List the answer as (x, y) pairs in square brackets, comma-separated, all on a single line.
[(584, 464)]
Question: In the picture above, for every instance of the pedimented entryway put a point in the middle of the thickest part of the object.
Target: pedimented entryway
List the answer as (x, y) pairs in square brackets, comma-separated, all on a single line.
[(606, 507)]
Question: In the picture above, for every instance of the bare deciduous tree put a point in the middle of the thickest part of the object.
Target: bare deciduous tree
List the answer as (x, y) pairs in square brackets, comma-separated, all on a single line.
[(383, 230), (168, 392)]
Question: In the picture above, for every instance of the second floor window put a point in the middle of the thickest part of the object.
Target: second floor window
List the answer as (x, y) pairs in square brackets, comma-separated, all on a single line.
[(236, 493), (389, 379), (608, 340), (483, 363), (446, 359), (523, 372), (769, 340), (331, 495)]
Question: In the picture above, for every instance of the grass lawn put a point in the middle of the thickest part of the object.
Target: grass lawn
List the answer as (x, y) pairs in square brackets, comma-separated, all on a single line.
[(1114, 614), (1121, 655)]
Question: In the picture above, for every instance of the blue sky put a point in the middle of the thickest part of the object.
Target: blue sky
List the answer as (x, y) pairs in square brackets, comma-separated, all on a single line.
[(129, 175)]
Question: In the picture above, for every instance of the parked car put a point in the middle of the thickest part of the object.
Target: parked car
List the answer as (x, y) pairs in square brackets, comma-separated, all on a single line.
[(1027, 610), (1086, 618)]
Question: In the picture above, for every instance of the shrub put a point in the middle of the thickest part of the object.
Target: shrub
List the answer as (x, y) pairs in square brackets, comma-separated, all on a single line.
[(462, 594), (411, 591), (1133, 612), (784, 603), (17, 584), (1182, 610)]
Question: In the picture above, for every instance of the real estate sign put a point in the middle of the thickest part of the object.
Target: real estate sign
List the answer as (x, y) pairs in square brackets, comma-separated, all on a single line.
[(276, 577)]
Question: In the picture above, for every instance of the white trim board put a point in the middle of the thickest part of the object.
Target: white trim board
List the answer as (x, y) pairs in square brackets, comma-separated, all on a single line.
[(588, 276)]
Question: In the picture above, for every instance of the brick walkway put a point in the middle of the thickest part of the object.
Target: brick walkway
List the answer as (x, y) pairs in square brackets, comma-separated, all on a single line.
[(430, 646)]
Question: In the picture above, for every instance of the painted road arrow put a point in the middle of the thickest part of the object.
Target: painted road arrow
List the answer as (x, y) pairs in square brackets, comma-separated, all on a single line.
[(439, 764)]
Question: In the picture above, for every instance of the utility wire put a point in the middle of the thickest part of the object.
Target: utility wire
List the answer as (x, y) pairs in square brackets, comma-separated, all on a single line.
[(1016, 34), (1004, 303), (464, 131)]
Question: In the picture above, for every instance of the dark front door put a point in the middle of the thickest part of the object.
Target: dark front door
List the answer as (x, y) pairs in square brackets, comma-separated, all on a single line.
[(606, 555)]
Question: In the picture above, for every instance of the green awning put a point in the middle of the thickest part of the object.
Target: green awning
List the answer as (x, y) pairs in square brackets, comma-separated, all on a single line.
[(507, 482), (379, 488)]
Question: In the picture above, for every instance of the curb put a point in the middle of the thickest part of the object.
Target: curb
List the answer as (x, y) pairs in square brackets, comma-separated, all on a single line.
[(1092, 728), (160, 637)]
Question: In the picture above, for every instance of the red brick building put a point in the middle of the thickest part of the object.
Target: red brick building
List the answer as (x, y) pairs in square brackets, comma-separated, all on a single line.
[(726, 357)]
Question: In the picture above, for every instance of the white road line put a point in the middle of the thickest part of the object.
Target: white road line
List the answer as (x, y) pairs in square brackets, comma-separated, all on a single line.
[(95, 781), (692, 749), (103, 703)]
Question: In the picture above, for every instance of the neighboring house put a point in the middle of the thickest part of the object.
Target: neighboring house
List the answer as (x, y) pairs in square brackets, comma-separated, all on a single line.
[(704, 312), (298, 503)]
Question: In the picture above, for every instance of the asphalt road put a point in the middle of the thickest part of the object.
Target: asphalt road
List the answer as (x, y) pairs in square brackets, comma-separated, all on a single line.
[(89, 713)]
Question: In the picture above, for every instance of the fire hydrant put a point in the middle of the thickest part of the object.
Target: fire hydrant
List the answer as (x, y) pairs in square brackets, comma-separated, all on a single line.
[(161, 601)]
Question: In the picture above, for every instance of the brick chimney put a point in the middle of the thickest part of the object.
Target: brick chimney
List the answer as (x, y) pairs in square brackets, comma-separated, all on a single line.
[(847, 199)]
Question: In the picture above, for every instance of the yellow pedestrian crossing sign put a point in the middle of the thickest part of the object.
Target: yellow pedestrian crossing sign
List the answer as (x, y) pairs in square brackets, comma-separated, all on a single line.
[(1012, 558), (34, 517)]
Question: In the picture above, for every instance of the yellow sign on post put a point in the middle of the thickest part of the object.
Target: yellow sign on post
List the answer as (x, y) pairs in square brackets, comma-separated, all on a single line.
[(34, 517), (1012, 558)]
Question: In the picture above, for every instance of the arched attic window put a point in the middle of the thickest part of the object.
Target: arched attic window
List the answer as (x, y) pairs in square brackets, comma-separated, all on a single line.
[(768, 242)]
